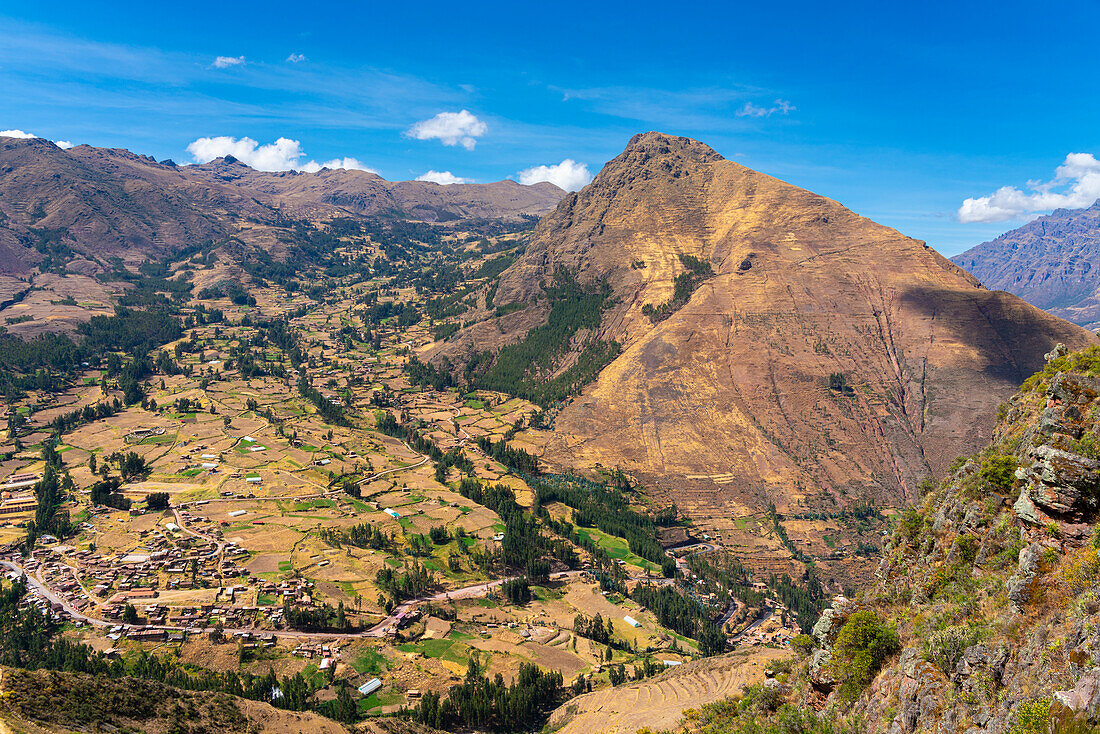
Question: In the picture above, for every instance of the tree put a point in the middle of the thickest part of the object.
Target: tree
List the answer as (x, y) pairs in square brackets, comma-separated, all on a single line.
[(668, 568), (712, 641), (344, 707), (516, 591), (129, 614), (157, 501)]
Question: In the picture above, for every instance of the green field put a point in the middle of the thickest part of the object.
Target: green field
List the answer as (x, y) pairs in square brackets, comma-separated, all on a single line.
[(380, 698), (370, 661), (617, 548), (428, 648)]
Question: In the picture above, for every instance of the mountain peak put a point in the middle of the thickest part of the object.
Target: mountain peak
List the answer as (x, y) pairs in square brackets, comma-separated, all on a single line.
[(1049, 262), (657, 144), (724, 281)]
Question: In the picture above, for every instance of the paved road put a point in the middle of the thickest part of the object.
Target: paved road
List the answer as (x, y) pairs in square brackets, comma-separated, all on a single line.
[(733, 609), (45, 591)]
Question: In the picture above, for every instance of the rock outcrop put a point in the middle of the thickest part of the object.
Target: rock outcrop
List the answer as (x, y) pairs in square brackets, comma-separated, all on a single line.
[(998, 615)]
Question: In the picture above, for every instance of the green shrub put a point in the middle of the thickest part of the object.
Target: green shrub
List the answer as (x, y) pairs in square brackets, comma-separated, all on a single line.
[(862, 646), (911, 524), (803, 644), (945, 648), (1089, 445), (967, 548), (998, 471), (1032, 717)]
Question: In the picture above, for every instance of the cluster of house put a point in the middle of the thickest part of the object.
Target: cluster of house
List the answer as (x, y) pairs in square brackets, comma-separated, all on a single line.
[(36, 599), (62, 581), (779, 629), (327, 654), (17, 495), (401, 621), (133, 572)]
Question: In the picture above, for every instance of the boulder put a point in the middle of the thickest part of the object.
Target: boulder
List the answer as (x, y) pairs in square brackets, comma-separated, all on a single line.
[(1057, 467), (1019, 585), (990, 659), (1083, 700), (1060, 350), (1059, 482), (828, 623), (818, 675), (1026, 510)]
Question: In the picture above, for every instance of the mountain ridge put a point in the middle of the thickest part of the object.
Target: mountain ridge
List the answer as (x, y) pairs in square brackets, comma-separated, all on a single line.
[(98, 203)]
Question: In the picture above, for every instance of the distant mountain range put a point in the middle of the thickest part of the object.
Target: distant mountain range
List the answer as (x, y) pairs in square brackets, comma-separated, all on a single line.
[(1052, 262), (89, 204)]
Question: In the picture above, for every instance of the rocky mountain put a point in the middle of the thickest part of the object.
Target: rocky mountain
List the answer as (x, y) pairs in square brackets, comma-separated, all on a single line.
[(983, 614), (1051, 262), (72, 205), (87, 204), (776, 348)]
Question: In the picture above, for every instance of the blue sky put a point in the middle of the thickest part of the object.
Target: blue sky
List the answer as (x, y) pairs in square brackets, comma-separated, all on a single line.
[(901, 112)]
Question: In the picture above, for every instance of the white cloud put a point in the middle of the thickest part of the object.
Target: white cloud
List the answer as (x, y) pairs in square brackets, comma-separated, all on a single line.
[(282, 155), (224, 62), (1076, 184), (781, 107), (63, 144), (296, 58), (450, 128), (568, 175), (443, 178), (348, 164)]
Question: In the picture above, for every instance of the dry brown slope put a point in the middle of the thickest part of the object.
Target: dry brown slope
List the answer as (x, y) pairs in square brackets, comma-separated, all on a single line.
[(106, 202), (102, 203), (727, 402), (48, 701)]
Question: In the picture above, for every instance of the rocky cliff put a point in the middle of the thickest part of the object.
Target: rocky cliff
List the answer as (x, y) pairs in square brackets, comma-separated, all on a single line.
[(992, 583)]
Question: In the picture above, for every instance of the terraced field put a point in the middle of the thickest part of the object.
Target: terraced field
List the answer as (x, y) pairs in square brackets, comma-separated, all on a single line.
[(659, 701)]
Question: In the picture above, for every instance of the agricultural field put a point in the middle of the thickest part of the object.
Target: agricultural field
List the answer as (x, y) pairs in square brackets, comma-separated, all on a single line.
[(319, 509)]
